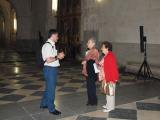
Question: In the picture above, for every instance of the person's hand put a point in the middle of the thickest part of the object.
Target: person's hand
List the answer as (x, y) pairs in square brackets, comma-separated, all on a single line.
[(83, 62), (50, 59), (60, 55), (84, 73)]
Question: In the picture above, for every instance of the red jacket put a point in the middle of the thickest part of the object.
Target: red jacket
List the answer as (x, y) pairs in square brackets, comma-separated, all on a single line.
[(110, 68)]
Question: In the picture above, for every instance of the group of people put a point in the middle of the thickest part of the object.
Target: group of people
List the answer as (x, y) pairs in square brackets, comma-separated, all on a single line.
[(104, 70)]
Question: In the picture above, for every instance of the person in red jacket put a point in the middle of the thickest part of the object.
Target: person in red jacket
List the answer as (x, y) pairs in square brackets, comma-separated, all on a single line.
[(111, 75)]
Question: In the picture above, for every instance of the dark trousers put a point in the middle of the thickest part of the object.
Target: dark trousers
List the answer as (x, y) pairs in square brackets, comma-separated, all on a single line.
[(91, 91), (91, 83)]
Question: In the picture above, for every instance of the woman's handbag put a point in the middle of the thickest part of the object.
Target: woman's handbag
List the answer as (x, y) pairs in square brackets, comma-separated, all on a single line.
[(108, 88)]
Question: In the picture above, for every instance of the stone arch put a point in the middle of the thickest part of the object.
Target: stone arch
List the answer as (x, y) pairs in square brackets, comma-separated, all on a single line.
[(2, 19), (9, 14)]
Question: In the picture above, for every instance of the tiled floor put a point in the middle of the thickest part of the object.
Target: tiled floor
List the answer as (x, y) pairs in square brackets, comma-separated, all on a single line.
[(148, 109), (22, 85), (23, 81)]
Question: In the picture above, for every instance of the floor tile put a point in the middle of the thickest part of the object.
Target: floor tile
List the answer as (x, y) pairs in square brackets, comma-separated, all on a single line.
[(24, 82), (148, 115), (89, 118), (123, 114), (32, 87), (68, 89), (6, 90), (3, 85), (37, 93), (148, 106), (13, 97)]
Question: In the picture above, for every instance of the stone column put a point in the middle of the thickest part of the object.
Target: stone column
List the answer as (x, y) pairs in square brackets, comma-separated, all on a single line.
[(89, 22), (51, 17)]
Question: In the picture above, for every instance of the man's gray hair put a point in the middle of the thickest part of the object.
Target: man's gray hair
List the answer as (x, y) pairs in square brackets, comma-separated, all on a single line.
[(93, 39)]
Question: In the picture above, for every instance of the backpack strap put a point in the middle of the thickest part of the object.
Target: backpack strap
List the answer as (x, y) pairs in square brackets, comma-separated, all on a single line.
[(52, 48), (50, 44)]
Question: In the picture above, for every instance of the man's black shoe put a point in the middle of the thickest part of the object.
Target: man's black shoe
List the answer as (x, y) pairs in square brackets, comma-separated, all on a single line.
[(56, 112)]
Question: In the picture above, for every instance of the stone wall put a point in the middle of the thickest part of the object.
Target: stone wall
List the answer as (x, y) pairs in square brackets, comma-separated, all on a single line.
[(33, 16), (118, 21)]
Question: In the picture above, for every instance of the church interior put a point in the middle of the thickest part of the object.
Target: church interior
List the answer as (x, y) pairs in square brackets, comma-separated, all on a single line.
[(133, 28)]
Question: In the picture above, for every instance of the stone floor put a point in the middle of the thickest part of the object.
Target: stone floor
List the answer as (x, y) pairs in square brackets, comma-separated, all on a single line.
[(22, 85), (147, 109)]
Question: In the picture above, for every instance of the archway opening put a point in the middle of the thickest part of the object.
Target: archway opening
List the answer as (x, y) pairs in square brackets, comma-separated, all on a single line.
[(2, 28), (8, 24)]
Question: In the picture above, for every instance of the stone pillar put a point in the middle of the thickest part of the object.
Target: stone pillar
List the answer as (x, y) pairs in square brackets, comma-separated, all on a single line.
[(51, 17), (89, 22), (5, 9)]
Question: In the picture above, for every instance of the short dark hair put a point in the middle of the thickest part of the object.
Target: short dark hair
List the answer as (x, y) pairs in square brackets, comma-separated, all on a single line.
[(52, 31), (107, 45)]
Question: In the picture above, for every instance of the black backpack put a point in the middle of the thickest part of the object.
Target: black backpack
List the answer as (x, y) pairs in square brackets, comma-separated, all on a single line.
[(40, 61)]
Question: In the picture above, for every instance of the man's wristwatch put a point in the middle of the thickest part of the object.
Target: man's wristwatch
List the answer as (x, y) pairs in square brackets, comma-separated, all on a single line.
[(56, 58)]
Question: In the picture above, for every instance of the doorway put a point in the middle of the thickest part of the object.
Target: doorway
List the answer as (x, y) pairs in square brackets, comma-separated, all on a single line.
[(8, 24)]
